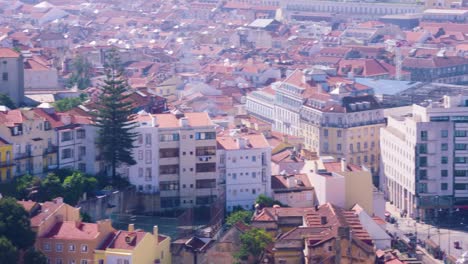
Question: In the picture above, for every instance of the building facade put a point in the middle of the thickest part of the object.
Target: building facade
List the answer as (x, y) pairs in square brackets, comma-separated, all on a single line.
[(12, 71), (425, 156), (244, 164)]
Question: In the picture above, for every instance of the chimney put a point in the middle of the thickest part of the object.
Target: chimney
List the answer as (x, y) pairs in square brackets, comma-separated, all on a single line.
[(66, 119), (183, 121), (131, 227), (343, 164), (154, 122), (291, 181), (242, 142), (156, 234), (323, 220)]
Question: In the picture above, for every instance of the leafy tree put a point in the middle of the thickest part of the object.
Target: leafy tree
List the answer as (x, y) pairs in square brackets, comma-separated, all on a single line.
[(265, 201), (75, 185), (15, 224), (114, 121), (81, 75), (86, 217), (254, 241), (51, 187), (6, 101), (25, 185), (8, 252), (33, 256), (66, 104), (242, 216)]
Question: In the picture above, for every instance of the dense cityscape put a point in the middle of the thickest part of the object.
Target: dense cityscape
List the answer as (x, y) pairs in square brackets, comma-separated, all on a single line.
[(234, 131)]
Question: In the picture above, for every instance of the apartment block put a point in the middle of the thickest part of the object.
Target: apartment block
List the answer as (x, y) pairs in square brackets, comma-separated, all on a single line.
[(12, 75), (6, 160), (425, 157), (244, 165), (176, 156)]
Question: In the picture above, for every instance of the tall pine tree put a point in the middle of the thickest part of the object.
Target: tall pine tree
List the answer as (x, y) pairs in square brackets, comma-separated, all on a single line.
[(114, 118)]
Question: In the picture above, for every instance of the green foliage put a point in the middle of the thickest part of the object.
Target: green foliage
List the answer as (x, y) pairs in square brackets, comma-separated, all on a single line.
[(86, 218), (265, 201), (82, 71), (254, 241), (114, 120), (6, 101), (76, 185), (25, 185), (8, 252), (51, 187), (33, 256), (66, 104), (242, 216), (15, 224)]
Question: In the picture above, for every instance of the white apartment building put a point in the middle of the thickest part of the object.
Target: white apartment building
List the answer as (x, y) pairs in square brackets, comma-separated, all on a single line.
[(176, 156), (244, 164), (424, 164)]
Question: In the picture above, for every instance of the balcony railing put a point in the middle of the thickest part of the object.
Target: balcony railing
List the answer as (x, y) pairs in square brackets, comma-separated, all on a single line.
[(23, 155), (4, 164), (50, 149)]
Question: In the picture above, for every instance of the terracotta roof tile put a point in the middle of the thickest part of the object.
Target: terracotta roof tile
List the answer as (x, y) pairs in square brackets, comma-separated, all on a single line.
[(8, 53), (71, 230)]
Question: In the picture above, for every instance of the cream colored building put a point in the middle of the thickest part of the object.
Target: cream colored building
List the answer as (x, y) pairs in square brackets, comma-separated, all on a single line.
[(12, 75)]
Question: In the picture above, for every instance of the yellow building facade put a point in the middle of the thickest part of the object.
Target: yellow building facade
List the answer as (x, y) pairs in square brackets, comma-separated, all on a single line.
[(6, 161)]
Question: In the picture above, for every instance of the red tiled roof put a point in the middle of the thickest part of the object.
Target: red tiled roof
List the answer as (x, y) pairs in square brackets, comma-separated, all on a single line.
[(127, 240), (28, 205), (254, 141), (8, 53), (71, 230)]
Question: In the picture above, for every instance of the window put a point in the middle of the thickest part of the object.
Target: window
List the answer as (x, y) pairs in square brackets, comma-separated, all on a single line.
[(71, 247), (169, 137), (67, 153), (148, 139), (234, 176), (59, 247), (460, 133), (444, 160), (444, 173), (444, 133), (338, 147), (325, 132), (460, 146), (339, 133), (205, 151), (423, 161), (169, 153), (444, 186), (140, 155), (424, 135), (254, 175), (351, 147), (460, 160), (254, 158), (170, 202), (444, 146), (423, 174), (148, 176), (207, 199), (58, 261), (460, 186), (254, 191), (67, 136), (423, 148), (205, 167), (460, 173), (72, 261), (84, 261), (140, 139), (46, 247), (148, 156), (5, 76), (169, 169), (205, 135), (84, 248), (205, 184), (169, 185), (80, 133)]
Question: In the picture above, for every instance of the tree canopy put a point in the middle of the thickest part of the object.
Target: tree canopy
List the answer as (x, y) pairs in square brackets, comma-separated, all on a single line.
[(34, 256), (254, 241), (114, 119), (265, 201), (66, 104), (8, 252), (81, 76), (15, 225), (239, 216), (6, 101)]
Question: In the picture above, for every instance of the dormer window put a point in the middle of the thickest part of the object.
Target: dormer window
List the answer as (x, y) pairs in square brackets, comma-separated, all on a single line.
[(47, 125)]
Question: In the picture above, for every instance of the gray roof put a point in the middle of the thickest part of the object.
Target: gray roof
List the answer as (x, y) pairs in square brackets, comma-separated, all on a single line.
[(261, 23), (388, 87)]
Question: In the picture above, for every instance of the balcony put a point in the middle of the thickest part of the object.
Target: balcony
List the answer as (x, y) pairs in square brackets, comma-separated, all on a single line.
[(23, 155), (50, 149), (4, 164)]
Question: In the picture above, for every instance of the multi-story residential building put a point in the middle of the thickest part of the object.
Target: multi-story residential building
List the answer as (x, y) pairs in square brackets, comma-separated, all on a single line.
[(12, 71), (74, 241), (324, 234), (244, 164), (335, 116), (178, 158), (340, 183), (425, 157), (293, 189), (134, 247), (33, 138), (6, 160), (440, 68)]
